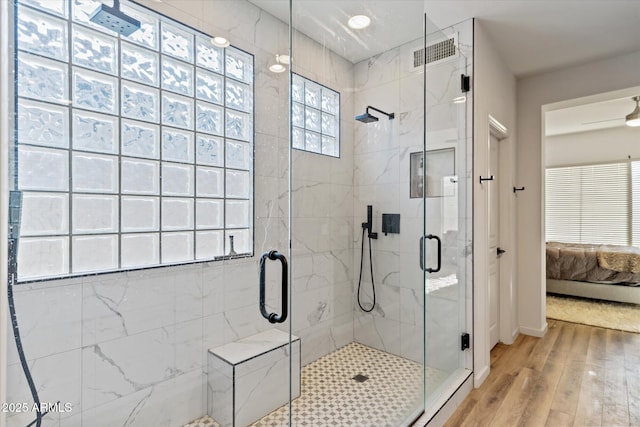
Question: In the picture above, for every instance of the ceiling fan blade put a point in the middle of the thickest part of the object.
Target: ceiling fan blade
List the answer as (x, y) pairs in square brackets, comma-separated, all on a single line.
[(602, 121)]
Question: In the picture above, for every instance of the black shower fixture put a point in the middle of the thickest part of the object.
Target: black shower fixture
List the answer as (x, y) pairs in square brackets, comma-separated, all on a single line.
[(114, 19), (368, 118)]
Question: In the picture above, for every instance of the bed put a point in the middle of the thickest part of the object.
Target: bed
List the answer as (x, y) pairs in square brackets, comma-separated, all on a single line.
[(607, 272)]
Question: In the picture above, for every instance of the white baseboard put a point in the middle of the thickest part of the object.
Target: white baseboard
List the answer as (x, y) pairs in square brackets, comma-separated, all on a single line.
[(534, 332), (480, 376), (514, 335)]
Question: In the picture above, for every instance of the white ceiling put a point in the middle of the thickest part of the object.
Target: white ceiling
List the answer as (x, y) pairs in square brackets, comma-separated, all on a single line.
[(588, 117), (531, 36)]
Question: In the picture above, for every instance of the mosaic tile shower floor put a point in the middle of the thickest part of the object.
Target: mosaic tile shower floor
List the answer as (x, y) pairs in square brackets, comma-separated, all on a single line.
[(331, 397)]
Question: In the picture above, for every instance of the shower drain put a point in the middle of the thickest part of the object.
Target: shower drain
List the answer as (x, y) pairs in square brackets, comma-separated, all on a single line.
[(360, 378)]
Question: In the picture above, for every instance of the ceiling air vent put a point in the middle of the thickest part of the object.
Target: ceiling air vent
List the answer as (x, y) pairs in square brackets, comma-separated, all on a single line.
[(436, 52)]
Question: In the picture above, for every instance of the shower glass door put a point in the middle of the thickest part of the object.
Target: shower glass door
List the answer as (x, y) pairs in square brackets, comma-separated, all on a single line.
[(447, 187), (359, 191)]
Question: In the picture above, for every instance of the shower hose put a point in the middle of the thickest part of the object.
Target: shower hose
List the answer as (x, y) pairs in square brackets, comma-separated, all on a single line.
[(373, 285), (23, 359)]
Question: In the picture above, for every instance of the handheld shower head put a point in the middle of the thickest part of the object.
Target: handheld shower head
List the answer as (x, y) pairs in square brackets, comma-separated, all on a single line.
[(114, 19), (369, 118)]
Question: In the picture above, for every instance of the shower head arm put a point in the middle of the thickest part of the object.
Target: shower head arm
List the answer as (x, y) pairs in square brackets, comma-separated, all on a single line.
[(390, 115)]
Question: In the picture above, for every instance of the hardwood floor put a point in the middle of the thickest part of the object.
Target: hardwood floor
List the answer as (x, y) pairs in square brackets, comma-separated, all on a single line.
[(576, 375)]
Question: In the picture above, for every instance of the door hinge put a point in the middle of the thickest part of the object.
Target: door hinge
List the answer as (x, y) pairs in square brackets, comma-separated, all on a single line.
[(465, 341), (465, 83)]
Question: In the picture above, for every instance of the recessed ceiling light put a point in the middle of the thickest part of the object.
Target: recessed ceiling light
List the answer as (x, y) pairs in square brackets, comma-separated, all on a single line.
[(277, 68), (220, 41), (358, 22)]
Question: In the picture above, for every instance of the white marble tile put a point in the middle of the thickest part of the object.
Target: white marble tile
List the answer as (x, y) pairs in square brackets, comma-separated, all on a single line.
[(189, 292), (120, 367), (443, 330), (269, 235), (321, 339), (244, 349), (122, 306), (170, 403), (26, 418), (378, 332), (57, 378), (266, 150), (189, 345), (377, 70), (262, 390), (49, 320), (213, 288), (412, 303), (311, 235), (241, 285), (242, 322), (377, 168), (411, 91), (312, 306), (412, 342), (310, 199), (220, 390), (343, 267), (73, 421), (258, 384), (311, 271)]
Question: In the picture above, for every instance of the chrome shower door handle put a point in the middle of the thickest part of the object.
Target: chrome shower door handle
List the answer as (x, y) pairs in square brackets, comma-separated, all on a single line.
[(274, 317), (430, 237)]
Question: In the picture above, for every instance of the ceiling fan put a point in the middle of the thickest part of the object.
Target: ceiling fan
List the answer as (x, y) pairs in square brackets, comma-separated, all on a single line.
[(632, 119)]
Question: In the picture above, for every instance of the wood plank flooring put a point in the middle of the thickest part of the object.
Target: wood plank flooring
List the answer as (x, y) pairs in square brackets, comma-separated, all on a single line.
[(577, 375)]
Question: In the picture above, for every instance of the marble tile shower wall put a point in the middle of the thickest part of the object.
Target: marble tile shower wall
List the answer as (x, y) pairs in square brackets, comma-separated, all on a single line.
[(130, 348), (382, 178), (323, 266)]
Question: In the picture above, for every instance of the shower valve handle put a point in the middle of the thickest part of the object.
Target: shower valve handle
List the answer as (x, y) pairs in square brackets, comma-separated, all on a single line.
[(274, 317)]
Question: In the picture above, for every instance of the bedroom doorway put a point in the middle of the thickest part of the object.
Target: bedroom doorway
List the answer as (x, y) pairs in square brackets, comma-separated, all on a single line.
[(591, 181)]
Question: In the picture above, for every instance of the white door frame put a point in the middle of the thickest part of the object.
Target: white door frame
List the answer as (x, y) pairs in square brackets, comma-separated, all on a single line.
[(508, 327), (508, 330)]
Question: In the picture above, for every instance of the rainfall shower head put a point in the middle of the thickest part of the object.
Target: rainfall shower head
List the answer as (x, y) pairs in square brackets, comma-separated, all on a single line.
[(368, 118), (114, 19)]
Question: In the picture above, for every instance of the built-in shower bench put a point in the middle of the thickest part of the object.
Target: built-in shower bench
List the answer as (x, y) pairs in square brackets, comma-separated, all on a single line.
[(249, 378)]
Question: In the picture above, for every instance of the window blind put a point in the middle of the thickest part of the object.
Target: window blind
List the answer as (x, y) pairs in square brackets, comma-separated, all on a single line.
[(591, 204)]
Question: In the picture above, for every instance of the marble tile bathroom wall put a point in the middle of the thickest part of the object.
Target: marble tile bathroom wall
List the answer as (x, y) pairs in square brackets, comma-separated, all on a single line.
[(130, 348), (382, 179)]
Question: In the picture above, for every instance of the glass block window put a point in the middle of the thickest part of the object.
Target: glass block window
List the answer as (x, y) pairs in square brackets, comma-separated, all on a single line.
[(132, 151), (315, 117)]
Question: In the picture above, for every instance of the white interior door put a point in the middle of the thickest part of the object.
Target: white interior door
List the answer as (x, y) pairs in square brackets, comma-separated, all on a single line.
[(494, 242)]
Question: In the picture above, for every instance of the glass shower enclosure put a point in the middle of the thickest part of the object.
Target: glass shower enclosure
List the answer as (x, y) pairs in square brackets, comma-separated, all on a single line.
[(378, 197), (331, 214)]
